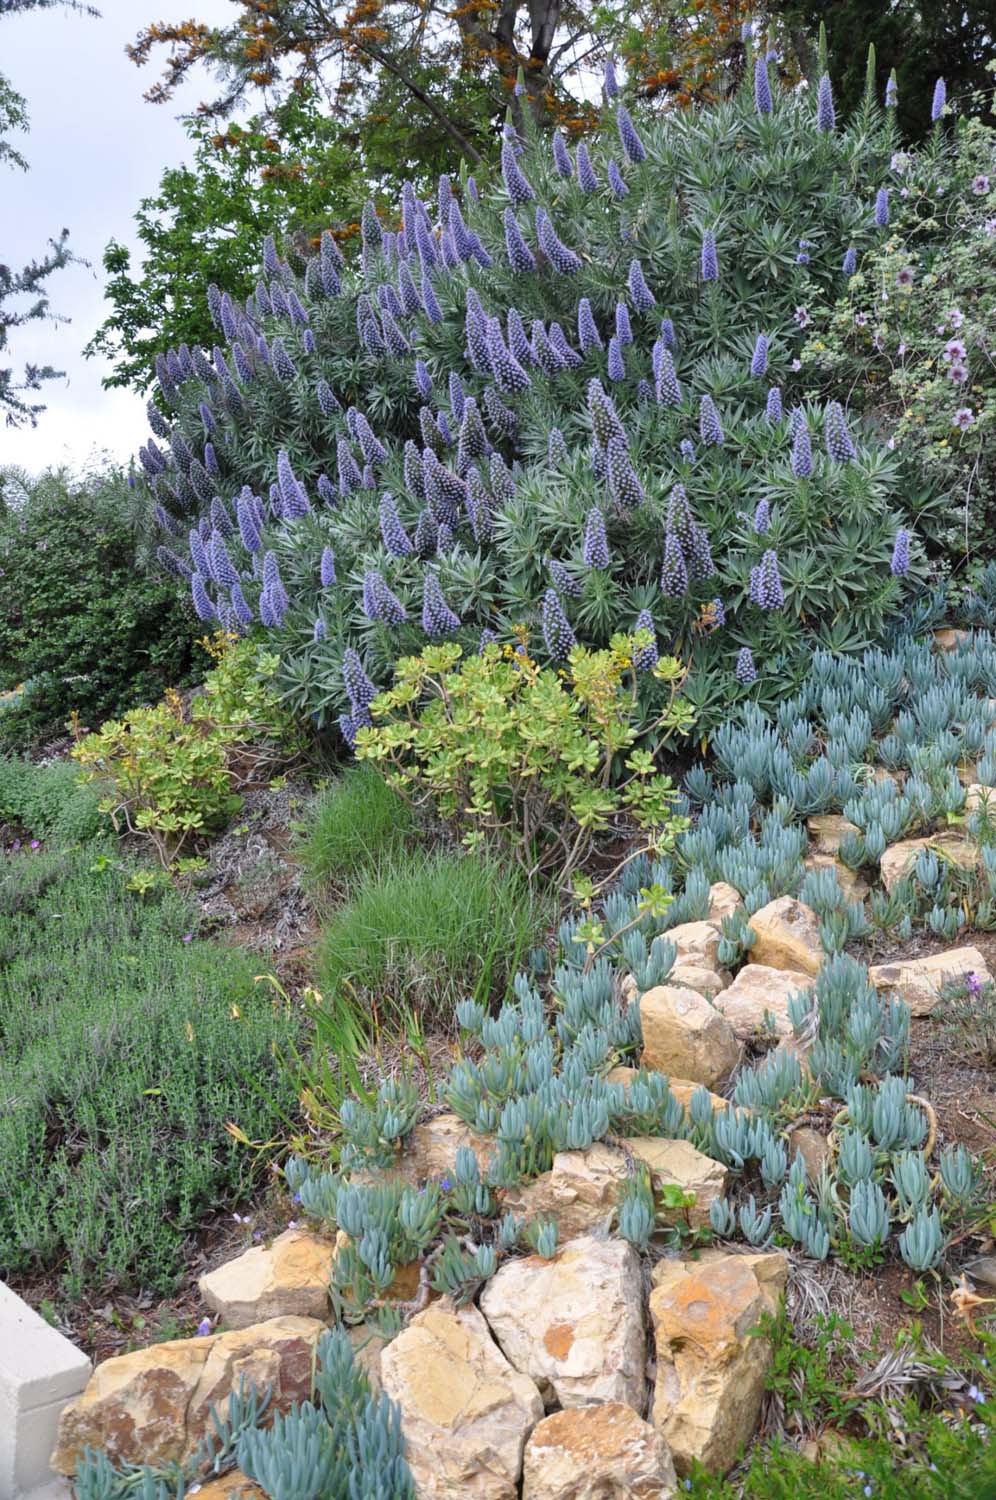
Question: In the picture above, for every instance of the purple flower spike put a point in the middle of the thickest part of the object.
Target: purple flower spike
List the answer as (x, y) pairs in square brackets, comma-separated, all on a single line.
[(802, 451), (634, 148), (826, 116), (520, 257), (710, 262), (508, 372), (645, 657), (766, 584), (516, 185), (394, 536), (359, 689), (587, 181), (643, 297), (710, 427), (617, 369), (762, 517), (850, 262), (891, 94), (556, 448), (563, 259), (595, 550), (624, 331), (561, 156), (839, 442), (939, 100), (610, 83), (557, 633), (588, 335), (563, 581), (746, 672), (674, 571), (617, 183), (624, 487), (763, 102), (882, 207), (900, 564), (438, 619), (423, 380), (327, 569), (666, 386), (759, 363), (203, 607)]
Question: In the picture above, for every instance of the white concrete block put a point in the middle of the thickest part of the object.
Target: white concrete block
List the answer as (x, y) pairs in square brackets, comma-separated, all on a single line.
[(40, 1373)]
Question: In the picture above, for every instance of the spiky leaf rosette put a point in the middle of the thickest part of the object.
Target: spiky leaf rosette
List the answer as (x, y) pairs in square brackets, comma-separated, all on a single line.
[(470, 382)]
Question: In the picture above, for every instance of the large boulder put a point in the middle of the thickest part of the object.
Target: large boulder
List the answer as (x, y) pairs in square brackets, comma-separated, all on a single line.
[(706, 982), (826, 831), (919, 981), (787, 936), (574, 1323), (579, 1191), (757, 1000), (289, 1278), (677, 1163), (684, 1034), (465, 1412), (697, 943), (724, 899), (711, 1365), (681, 1088), (154, 1405), (430, 1151), (851, 884), (899, 859), (597, 1453)]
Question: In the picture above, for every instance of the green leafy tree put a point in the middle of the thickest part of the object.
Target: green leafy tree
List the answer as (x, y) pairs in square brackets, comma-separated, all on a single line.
[(297, 172), (950, 39)]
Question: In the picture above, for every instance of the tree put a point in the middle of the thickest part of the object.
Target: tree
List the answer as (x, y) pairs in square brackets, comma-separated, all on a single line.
[(297, 173), (922, 39), (30, 281)]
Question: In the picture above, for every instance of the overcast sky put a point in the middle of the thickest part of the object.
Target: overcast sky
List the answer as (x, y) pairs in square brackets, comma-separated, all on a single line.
[(94, 149)]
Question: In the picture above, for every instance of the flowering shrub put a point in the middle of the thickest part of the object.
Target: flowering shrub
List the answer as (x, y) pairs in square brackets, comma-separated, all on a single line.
[(518, 754), (567, 400), (173, 775), (912, 334)]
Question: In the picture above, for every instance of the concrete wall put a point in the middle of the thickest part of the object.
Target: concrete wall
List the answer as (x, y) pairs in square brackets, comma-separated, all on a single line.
[(40, 1373)]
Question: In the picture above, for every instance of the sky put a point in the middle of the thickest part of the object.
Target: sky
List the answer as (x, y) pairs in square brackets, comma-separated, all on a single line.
[(94, 149)]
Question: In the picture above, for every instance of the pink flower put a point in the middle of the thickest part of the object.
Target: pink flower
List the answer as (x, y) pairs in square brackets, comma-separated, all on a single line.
[(958, 374), (802, 317), (901, 350), (904, 192), (188, 937), (963, 417), (954, 349), (36, 843), (878, 343), (980, 185), (861, 319), (891, 443), (796, 365), (956, 318), (203, 1328), (942, 328), (989, 228), (905, 277)]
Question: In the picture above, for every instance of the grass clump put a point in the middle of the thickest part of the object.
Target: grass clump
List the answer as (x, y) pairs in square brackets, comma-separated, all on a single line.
[(423, 930), (356, 821), (48, 802), (125, 1047)]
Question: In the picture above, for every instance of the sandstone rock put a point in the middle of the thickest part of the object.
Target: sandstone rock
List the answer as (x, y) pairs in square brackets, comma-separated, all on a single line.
[(675, 1163), (723, 902), (288, 1278), (710, 1369), (597, 1453), (368, 1346), (950, 640), (153, 1405), (758, 991), (684, 1034), (707, 982), (697, 943), (579, 1191), (898, 859), (681, 1088), (231, 1486), (788, 936), (854, 888), (466, 1413), (430, 1151), (919, 981), (813, 1145), (826, 831), (573, 1324)]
